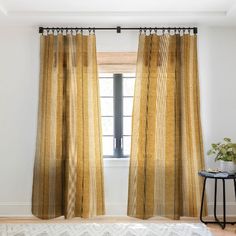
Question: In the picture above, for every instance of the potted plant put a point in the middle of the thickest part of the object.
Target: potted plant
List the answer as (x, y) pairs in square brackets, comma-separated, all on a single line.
[(225, 153)]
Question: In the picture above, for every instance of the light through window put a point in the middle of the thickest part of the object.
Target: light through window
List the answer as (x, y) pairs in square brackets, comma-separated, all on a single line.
[(116, 92)]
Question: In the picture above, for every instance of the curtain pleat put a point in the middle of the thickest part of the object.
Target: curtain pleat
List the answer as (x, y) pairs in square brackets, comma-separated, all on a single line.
[(68, 170), (166, 148)]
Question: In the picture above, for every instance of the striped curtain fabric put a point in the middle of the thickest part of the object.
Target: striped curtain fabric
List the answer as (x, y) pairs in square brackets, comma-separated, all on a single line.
[(166, 150), (68, 170)]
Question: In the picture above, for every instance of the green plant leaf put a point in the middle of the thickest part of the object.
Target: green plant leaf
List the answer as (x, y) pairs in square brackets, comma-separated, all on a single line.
[(214, 145), (223, 150), (227, 139)]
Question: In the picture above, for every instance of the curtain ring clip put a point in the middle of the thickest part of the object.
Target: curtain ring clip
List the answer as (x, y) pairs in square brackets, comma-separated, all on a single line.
[(140, 31), (145, 30)]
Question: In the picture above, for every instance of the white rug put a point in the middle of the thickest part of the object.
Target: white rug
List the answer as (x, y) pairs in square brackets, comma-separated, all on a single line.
[(104, 229)]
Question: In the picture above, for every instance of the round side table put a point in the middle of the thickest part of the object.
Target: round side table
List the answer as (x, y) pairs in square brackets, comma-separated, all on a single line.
[(206, 176)]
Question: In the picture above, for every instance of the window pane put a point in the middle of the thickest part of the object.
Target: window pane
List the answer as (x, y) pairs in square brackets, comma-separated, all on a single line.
[(127, 125), (107, 106), (107, 143), (106, 87), (127, 106), (107, 125), (126, 145), (128, 87)]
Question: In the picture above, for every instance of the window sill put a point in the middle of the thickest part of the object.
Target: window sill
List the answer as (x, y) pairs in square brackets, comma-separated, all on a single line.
[(116, 162)]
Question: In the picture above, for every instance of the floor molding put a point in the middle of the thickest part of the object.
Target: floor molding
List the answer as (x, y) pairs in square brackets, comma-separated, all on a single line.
[(23, 209), (230, 208), (15, 209)]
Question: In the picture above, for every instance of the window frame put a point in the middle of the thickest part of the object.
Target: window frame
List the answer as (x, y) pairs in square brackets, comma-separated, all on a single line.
[(117, 63)]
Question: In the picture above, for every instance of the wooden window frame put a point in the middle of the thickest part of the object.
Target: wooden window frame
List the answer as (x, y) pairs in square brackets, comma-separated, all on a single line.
[(116, 62)]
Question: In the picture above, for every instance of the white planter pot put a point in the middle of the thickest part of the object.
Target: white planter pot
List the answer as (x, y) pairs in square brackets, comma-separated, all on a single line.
[(228, 166)]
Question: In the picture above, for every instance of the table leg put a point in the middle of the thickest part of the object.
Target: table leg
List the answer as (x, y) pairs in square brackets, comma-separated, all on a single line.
[(202, 203), (224, 210), (215, 204), (215, 200), (235, 188)]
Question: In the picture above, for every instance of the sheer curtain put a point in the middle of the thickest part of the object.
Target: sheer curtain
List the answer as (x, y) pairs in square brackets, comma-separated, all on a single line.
[(166, 150), (68, 170)]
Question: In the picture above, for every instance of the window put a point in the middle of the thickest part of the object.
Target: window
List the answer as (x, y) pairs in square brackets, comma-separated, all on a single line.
[(116, 92)]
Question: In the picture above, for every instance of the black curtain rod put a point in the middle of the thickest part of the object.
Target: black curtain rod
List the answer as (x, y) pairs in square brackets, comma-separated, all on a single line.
[(118, 28)]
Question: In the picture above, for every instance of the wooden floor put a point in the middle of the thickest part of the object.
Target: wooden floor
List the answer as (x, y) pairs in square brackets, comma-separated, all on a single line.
[(215, 229)]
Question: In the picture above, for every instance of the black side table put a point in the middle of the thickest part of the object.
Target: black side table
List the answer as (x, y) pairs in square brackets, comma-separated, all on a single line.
[(217, 221)]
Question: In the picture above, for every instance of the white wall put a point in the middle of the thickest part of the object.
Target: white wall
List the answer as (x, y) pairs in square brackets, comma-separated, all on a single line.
[(18, 111), (217, 67), (19, 62)]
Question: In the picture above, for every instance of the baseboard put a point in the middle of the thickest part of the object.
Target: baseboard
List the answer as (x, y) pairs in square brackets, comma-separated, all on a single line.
[(15, 209), (23, 209), (116, 209), (230, 208)]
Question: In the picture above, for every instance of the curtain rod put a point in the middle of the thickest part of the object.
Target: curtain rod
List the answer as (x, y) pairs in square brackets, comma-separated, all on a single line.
[(118, 28)]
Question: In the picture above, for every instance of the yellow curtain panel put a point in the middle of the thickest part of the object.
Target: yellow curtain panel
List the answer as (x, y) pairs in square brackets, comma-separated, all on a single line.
[(166, 149), (68, 170)]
